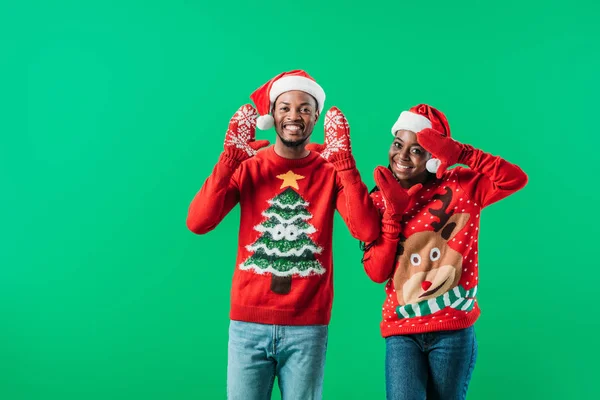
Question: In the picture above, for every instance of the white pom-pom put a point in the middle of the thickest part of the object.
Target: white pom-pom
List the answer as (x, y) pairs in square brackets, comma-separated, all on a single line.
[(265, 122), (432, 165)]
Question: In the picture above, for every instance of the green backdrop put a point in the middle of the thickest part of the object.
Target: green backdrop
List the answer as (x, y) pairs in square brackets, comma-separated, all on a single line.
[(114, 112)]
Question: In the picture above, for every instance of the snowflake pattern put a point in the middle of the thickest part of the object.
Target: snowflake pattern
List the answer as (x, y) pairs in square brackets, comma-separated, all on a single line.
[(246, 115), (242, 129), (337, 133)]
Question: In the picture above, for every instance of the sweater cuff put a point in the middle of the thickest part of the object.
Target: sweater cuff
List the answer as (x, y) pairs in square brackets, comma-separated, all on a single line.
[(349, 176), (391, 227), (228, 160), (343, 162), (466, 156)]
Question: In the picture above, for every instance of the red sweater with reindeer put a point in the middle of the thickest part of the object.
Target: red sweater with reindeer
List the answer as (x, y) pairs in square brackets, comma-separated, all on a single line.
[(284, 268), (432, 265)]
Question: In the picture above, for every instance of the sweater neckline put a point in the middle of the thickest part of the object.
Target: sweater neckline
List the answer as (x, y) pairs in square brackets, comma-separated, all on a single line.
[(289, 162)]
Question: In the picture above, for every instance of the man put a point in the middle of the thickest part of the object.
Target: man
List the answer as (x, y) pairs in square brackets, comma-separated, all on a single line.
[(282, 289)]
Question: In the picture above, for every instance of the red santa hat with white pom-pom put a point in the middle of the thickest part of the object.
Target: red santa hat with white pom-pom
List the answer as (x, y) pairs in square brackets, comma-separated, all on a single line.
[(420, 117), (264, 97)]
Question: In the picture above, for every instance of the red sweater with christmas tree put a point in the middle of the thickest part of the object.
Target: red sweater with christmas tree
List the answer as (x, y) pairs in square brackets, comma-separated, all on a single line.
[(431, 263), (284, 268)]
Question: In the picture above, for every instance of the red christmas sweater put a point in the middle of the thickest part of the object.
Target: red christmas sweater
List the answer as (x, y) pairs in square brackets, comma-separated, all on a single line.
[(431, 262), (284, 268)]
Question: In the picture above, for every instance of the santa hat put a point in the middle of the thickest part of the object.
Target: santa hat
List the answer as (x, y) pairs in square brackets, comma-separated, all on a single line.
[(264, 97), (420, 117)]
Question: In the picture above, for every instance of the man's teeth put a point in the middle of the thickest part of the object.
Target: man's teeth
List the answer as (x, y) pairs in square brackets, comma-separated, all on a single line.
[(292, 127)]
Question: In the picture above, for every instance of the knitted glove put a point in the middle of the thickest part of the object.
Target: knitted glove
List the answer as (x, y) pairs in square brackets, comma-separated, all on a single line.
[(240, 143), (337, 148), (395, 197), (441, 147)]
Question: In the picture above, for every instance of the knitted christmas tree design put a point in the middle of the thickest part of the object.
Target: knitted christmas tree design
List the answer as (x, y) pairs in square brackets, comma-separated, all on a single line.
[(284, 248)]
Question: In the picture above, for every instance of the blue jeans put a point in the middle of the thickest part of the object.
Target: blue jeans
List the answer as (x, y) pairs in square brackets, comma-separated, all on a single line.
[(258, 353), (436, 365)]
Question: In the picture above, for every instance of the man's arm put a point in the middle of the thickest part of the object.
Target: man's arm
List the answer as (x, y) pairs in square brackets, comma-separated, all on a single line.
[(352, 202), (220, 192), (216, 198), (355, 206)]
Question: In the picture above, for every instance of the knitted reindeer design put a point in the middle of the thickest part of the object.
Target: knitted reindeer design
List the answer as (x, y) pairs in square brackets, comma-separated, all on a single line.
[(427, 269)]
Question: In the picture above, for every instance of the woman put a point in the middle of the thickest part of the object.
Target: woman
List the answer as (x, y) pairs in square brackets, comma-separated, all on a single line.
[(427, 253)]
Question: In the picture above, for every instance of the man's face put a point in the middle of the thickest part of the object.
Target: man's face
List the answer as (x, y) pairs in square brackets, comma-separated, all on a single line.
[(295, 114)]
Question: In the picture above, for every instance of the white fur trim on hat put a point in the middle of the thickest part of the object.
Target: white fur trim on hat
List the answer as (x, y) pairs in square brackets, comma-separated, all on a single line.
[(411, 122), (265, 122), (301, 83)]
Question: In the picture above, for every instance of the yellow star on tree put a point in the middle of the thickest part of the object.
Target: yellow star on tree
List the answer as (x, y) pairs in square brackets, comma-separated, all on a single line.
[(290, 179)]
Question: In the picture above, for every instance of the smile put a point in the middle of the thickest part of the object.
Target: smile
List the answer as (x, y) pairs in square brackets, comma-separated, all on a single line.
[(403, 167), (292, 128)]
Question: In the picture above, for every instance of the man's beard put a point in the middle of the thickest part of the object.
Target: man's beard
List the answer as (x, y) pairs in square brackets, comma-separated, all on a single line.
[(292, 143)]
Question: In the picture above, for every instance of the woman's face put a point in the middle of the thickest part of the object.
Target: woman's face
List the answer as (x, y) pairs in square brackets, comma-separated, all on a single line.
[(408, 158)]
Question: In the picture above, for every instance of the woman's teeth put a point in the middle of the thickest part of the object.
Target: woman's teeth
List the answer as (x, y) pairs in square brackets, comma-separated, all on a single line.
[(402, 167)]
